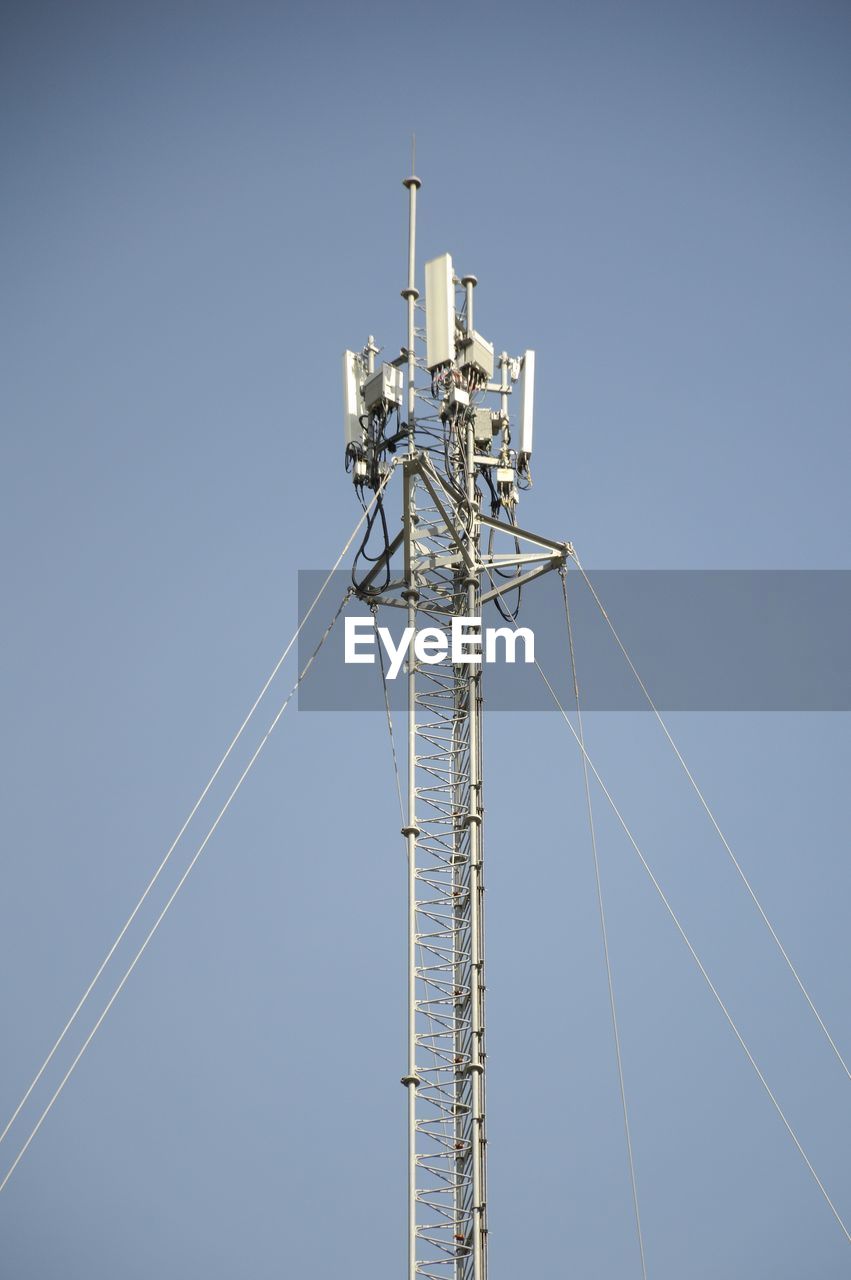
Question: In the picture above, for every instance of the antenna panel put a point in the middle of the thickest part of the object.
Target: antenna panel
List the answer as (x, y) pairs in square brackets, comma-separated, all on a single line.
[(352, 401), (440, 311), (527, 401)]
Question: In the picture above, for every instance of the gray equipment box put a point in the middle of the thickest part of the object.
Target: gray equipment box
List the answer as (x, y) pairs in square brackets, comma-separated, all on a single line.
[(383, 387), (483, 427), (474, 352)]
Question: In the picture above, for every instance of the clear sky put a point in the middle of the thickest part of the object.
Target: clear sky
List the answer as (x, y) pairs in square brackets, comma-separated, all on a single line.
[(201, 208)]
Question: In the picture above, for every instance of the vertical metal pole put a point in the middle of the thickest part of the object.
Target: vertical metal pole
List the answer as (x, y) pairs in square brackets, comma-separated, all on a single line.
[(474, 819), (469, 283), (410, 831)]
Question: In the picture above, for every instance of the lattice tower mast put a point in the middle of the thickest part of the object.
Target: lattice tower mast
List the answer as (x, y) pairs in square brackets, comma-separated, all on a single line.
[(456, 436)]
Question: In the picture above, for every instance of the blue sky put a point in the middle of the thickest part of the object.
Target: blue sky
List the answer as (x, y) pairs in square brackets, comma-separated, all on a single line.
[(202, 208)]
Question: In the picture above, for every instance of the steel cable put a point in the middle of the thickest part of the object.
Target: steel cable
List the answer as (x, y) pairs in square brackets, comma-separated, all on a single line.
[(745, 881), (191, 815), (696, 958), (174, 894), (604, 932), (392, 736)]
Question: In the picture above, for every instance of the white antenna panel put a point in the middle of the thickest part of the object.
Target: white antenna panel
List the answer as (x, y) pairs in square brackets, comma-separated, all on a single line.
[(527, 401), (440, 311), (352, 400)]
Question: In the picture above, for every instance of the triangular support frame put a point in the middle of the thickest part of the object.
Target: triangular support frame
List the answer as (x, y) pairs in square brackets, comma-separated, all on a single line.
[(546, 555)]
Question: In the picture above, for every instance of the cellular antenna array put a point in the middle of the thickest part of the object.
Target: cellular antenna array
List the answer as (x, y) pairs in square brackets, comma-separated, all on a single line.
[(443, 407)]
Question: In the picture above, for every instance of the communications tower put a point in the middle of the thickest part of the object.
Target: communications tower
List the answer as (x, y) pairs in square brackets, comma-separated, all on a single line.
[(445, 407)]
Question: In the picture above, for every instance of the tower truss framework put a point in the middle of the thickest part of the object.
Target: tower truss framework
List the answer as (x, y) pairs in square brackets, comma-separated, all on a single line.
[(446, 575)]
